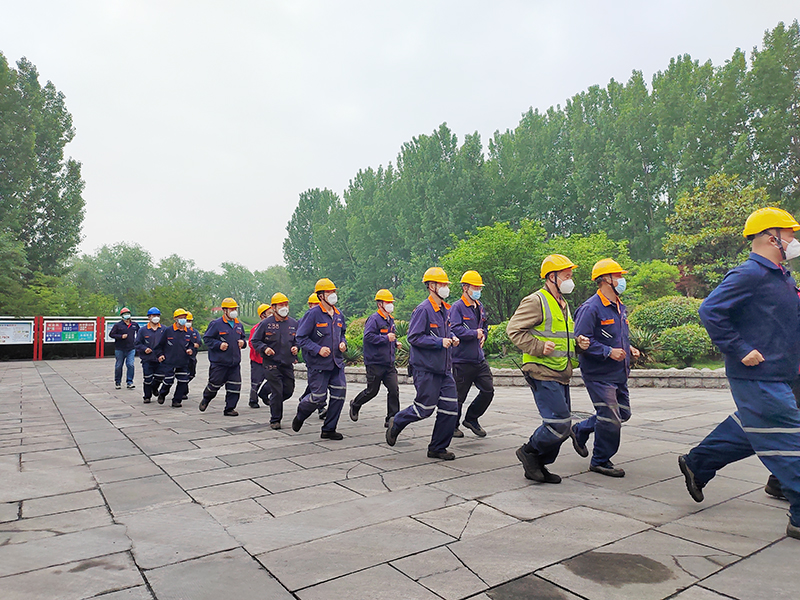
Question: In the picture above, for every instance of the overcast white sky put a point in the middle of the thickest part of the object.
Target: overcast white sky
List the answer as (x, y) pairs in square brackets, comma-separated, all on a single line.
[(221, 113)]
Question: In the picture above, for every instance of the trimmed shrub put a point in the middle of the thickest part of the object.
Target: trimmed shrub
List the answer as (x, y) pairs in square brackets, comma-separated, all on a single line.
[(686, 344), (667, 312), (355, 333), (497, 341)]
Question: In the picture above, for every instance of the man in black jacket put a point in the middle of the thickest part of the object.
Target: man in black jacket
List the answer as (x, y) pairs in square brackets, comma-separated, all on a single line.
[(124, 336)]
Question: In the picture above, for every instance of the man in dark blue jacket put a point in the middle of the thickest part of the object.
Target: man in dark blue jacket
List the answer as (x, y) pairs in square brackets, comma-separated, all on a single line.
[(224, 339), (605, 366), (174, 350), (275, 342), (321, 335), (380, 346), (124, 335), (753, 316), (468, 324), (146, 340), (430, 339)]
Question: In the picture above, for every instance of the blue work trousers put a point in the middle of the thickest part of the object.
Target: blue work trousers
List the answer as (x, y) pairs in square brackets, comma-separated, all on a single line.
[(126, 357), (171, 375), (153, 373), (277, 388), (612, 406), (228, 375), (766, 423), (553, 401), (434, 391), (322, 383)]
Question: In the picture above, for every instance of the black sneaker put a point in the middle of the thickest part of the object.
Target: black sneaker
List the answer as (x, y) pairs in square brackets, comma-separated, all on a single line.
[(323, 413), (443, 455), (458, 433), (296, 424), (276, 425), (391, 433), (331, 435), (161, 398), (203, 405), (531, 465), (475, 428), (177, 404), (548, 476), (117, 386), (773, 488), (354, 412), (695, 489), (131, 386), (581, 449), (254, 405), (230, 412), (608, 469), (146, 401)]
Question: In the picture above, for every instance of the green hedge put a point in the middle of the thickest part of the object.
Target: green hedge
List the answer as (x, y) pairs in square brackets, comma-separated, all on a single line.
[(664, 313), (685, 344), (497, 341)]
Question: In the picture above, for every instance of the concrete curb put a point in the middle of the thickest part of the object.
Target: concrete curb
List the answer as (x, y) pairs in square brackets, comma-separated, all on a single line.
[(640, 378)]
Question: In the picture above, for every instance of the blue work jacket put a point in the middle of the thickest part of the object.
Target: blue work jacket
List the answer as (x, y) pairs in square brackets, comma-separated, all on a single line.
[(278, 335), (605, 323), (196, 339), (756, 308), (221, 330), (429, 324), (119, 329), (466, 317), (148, 338), (378, 350), (173, 345), (317, 329)]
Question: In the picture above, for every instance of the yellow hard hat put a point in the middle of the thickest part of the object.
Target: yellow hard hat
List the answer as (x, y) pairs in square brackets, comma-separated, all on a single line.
[(178, 312), (767, 218), (324, 285), (435, 274), (384, 296), (279, 298), (189, 316), (472, 278), (229, 303), (556, 262), (606, 266), (261, 308), (313, 298)]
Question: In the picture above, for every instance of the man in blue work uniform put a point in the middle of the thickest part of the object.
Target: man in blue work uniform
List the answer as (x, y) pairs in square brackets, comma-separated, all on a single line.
[(542, 328), (430, 339), (605, 366), (275, 342), (468, 324), (320, 334), (753, 318), (146, 340), (174, 350), (380, 346), (257, 374), (124, 335), (196, 340), (225, 339)]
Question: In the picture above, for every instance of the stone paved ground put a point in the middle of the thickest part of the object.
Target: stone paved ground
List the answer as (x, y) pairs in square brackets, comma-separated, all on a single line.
[(103, 496)]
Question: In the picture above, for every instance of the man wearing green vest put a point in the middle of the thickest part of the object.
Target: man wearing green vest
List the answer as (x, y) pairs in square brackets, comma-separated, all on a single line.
[(542, 328)]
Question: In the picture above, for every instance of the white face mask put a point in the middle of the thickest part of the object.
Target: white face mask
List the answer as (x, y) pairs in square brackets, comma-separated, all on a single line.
[(234, 314), (126, 316), (567, 286), (332, 299), (155, 320), (792, 249), (443, 292), (389, 308), (283, 311), (621, 285), (188, 323)]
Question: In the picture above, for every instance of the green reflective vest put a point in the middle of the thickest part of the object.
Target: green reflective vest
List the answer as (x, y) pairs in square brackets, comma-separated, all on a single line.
[(554, 328)]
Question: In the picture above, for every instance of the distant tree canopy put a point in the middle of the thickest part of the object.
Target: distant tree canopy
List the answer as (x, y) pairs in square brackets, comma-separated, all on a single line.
[(613, 160)]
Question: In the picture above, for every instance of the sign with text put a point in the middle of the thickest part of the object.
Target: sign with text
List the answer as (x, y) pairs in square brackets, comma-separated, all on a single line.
[(69, 332), (16, 332), (111, 321)]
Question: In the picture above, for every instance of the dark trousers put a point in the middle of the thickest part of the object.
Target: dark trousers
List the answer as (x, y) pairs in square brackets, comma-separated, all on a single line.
[(179, 375), (259, 387), (773, 481), (321, 384), (126, 357), (277, 388), (480, 375), (613, 407), (435, 392), (228, 375), (377, 375), (192, 366), (153, 373), (553, 401)]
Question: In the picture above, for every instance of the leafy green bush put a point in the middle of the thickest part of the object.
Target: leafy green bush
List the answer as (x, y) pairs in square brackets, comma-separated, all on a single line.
[(400, 328), (670, 311), (646, 342), (686, 344), (355, 333), (403, 354), (497, 341), (651, 281)]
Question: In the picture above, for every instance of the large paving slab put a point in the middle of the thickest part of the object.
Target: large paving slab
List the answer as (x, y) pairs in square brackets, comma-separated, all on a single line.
[(104, 496)]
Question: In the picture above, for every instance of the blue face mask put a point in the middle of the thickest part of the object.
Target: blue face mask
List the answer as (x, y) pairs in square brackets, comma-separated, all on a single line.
[(475, 295), (181, 322), (621, 285)]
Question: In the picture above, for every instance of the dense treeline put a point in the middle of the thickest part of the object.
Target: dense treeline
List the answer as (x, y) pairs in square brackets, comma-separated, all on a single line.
[(613, 159)]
